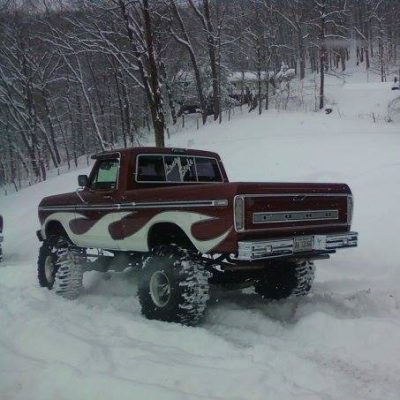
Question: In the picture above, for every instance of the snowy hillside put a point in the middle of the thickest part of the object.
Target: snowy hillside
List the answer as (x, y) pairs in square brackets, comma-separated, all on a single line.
[(341, 342)]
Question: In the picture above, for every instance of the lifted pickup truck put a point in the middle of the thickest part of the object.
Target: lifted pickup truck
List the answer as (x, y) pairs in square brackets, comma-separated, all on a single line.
[(174, 214)]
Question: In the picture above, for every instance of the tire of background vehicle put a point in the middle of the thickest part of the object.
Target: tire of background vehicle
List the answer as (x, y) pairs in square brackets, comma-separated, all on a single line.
[(173, 286), (286, 279), (59, 268)]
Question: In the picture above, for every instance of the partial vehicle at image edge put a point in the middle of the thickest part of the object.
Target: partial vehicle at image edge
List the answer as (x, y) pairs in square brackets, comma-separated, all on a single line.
[(174, 215), (1, 237)]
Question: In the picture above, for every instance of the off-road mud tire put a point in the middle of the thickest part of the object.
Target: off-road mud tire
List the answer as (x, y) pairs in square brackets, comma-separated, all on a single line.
[(286, 279), (67, 271), (45, 252), (186, 280), (305, 274)]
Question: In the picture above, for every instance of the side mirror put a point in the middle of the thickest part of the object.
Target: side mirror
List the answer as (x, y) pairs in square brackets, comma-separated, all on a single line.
[(83, 180)]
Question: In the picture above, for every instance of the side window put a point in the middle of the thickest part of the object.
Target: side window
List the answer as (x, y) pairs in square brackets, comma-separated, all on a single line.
[(150, 169), (208, 170), (106, 177)]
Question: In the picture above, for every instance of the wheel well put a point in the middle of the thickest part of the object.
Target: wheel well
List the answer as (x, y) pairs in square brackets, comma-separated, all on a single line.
[(167, 233), (54, 228)]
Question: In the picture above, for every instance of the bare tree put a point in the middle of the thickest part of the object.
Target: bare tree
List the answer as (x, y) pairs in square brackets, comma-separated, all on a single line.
[(212, 39), (185, 40), (138, 21)]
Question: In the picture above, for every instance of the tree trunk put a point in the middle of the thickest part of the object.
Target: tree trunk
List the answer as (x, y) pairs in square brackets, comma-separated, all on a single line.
[(213, 59), (51, 127), (121, 107), (302, 56), (168, 90), (259, 81), (322, 59), (156, 107)]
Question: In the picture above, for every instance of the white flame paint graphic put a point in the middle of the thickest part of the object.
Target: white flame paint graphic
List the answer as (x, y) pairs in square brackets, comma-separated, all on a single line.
[(99, 236)]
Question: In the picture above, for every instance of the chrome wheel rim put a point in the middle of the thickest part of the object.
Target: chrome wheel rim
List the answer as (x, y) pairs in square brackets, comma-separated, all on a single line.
[(160, 289), (49, 269)]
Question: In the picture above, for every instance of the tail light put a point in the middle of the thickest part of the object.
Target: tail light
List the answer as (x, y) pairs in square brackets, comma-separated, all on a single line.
[(239, 213), (350, 207)]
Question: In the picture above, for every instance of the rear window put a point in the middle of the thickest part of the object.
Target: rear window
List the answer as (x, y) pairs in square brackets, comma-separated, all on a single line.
[(183, 169)]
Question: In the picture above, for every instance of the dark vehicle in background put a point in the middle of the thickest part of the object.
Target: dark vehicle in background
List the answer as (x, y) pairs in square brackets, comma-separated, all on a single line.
[(194, 108), (1, 237)]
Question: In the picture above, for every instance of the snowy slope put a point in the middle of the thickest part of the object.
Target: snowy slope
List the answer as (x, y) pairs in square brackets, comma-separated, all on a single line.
[(364, 100), (341, 342)]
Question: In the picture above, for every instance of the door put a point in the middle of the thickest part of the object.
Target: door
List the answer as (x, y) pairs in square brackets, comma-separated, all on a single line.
[(97, 215)]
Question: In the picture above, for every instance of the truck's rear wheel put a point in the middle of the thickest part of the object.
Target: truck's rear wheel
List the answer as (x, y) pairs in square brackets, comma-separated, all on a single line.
[(305, 274), (59, 268), (286, 279), (173, 286)]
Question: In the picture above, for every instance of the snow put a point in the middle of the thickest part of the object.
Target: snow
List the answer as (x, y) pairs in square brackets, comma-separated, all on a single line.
[(365, 100), (341, 342)]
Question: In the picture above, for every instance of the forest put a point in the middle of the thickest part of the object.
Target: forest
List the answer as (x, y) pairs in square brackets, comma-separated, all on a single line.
[(82, 76)]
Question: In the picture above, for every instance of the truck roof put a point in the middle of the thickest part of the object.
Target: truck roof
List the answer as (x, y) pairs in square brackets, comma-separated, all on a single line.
[(154, 150)]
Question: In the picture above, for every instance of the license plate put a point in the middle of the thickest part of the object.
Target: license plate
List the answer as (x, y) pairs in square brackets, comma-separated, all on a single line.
[(303, 244)]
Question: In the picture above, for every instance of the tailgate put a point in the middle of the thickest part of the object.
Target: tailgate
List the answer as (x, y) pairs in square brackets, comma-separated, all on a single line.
[(266, 211)]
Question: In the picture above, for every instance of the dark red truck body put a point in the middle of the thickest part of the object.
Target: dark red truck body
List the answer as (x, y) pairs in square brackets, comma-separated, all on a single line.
[(189, 190)]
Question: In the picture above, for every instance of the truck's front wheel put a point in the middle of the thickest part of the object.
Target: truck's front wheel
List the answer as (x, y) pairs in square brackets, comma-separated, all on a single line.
[(173, 286), (59, 268), (286, 279), (46, 266)]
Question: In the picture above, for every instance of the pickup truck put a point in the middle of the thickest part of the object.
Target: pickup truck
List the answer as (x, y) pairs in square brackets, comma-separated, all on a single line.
[(173, 214)]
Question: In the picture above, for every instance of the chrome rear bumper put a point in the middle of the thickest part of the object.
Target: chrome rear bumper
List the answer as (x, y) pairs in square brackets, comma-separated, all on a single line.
[(264, 249)]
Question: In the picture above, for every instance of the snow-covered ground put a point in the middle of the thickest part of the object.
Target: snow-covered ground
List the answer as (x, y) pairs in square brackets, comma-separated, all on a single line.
[(341, 342)]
